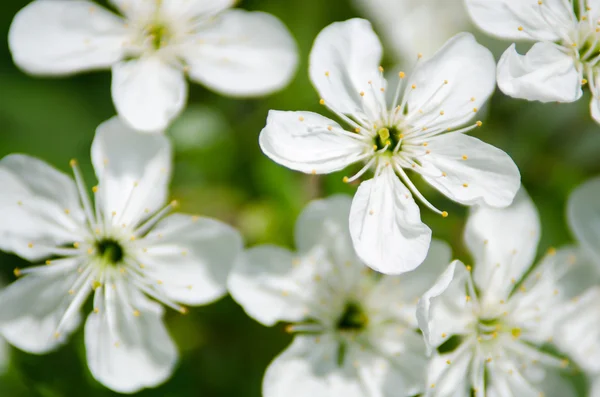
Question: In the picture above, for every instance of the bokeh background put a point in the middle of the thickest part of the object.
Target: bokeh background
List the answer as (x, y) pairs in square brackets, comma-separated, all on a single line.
[(220, 172)]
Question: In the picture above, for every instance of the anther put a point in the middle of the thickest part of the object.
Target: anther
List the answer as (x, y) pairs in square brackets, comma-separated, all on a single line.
[(402, 75), (444, 214), (322, 102), (17, 272)]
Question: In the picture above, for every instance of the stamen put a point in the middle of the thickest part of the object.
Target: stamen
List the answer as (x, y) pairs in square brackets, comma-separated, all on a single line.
[(414, 189), (83, 194), (361, 172), (146, 226)]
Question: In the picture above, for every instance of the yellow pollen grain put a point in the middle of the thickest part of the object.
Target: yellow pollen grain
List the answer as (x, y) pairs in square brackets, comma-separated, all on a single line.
[(327, 74), (520, 28), (444, 335), (301, 118), (95, 189), (469, 268), (322, 102), (17, 272), (48, 262), (448, 362), (381, 68), (464, 157), (465, 185), (330, 128), (76, 244), (479, 123), (30, 245), (345, 179), (414, 86), (362, 93), (402, 75), (73, 163), (136, 313)]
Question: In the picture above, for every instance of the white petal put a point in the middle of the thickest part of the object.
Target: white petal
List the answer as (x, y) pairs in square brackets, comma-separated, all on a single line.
[(459, 78), (4, 356), (595, 388), (470, 171), (343, 60), (133, 169), (243, 54), (127, 352), (62, 37), (308, 368), (148, 93), (444, 310), (386, 227), (424, 25), (578, 331), (302, 141), (520, 19), (451, 380), (268, 283), (192, 9), (546, 73), (405, 290), (583, 214), (503, 243), (191, 258), (32, 310), (325, 222), (595, 109), (34, 202)]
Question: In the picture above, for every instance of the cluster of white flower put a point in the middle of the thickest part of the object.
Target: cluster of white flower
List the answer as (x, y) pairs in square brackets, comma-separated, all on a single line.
[(375, 306)]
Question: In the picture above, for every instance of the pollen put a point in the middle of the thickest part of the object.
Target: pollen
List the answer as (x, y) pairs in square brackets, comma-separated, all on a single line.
[(465, 185), (464, 157), (327, 73), (402, 75), (17, 272), (95, 189), (136, 313), (444, 214), (322, 101), (479, 123)]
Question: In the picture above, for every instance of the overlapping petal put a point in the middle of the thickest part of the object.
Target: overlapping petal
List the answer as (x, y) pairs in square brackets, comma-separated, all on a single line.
[(521, 19), (547, 73), (304, 142), (148, 93), (242, 53), (452, 380), (386, 227), (343, 64), (470, 171), (128, 347), (133, 170), (503, 243), (191, 257), (62, 37)]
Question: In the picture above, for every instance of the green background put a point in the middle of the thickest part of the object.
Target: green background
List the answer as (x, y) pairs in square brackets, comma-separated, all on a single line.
[(220, 172)]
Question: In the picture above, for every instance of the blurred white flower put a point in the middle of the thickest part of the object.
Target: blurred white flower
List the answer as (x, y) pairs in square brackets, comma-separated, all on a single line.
[(566, 53), (578, 333), (419, 128), (501, 313), (123, 250), (355, 330), (412, 27), (152, 47)]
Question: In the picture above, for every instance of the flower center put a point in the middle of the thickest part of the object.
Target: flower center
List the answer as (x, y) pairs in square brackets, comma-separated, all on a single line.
[(158, 35), (353, 319), (110, 251), (489, 328), (387, 138)]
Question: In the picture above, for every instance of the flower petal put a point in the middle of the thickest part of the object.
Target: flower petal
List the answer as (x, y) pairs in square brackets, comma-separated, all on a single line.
[(595, 108), (455, 82), (62, 37), (503, 243), (32, 310), (583, 215), (303, 142), (128, 347), (386, 227), (194, 9), (39, 205), (308, 368), (242, 54), (405, 290), (268, 285), (343, 60), (470, 171), (133, 169), (325, 222), (448, 374), (519, 19), (546, 73), (148, 93), (446, 308), (191, 256)]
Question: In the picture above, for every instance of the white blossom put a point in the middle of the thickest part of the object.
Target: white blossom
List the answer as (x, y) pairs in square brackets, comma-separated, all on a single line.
[(420, 127), (355, 331), (499, 312), (566, 53), (151, 48), (124, 249)]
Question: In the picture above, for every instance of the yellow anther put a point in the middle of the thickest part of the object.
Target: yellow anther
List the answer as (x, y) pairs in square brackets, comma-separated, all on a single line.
[(448, 362), (30, 245), (357, 130), (301, 118), (327, 73), (345, 179), (322, 101), (71, 292), (73, 163), (464, 157), (516, 332), (479, 123), (551, 251), (362, 93), (442, 113), (414, 86), (183, 310), (329, 128), (584, 82), (48, 262), (76, 244), (17, 272), (402, 75), (444, 335), (444, 214), (520, 28), (381, 68), (96, 284), (468, 298), (469, 268), (174, 203), (136, 313), (465, 185), (96, 310), (475, 110), (95, 189)]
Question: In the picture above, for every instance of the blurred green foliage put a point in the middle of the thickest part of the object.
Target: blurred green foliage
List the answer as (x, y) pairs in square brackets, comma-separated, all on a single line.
[(220, 172)]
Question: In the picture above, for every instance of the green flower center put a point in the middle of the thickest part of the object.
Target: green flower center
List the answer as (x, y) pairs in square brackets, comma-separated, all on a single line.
[(158, 34), (387, 137), (353, 318), (110, 251)]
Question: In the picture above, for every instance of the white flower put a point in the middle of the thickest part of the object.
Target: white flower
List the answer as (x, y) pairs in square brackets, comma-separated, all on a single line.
[(152, 47), (123, 250), (411, 27), (355, 330), (421, 129), (566, 54), (500, 312), (579, 331)]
